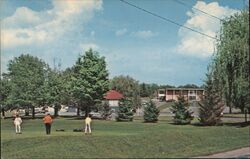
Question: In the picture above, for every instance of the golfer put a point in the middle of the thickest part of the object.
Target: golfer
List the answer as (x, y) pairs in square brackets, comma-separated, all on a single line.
[(17, 122), (47, 120), (87, 125)]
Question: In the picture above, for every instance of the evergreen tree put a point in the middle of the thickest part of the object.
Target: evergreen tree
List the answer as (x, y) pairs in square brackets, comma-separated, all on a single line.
[(180, 109), (211, 107), (151, 112), (125, 111)]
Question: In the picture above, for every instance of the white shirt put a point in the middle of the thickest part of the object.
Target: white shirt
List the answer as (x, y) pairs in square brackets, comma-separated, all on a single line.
[(88, 121), (18, 121)]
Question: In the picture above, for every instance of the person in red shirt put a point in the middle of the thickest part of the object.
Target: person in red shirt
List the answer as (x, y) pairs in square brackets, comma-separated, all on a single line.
[(47, 120)]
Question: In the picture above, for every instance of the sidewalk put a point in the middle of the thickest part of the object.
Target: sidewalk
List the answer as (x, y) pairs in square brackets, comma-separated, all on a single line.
[(238, 153)]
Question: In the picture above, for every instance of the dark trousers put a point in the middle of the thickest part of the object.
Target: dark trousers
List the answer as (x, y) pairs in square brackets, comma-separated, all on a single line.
[(48, 127)]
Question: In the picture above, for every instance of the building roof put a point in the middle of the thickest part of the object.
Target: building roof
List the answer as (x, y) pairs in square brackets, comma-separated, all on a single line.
[(113, 95)]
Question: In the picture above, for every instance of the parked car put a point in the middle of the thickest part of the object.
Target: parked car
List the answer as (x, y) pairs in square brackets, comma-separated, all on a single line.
[(95, 115)]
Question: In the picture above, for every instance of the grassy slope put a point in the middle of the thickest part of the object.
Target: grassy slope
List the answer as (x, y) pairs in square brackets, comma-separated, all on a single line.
[(112, 140), (165, 105)]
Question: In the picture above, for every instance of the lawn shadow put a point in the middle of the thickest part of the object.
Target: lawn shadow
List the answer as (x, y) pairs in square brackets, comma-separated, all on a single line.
[(73, 117), (238, 124), (235, 124)]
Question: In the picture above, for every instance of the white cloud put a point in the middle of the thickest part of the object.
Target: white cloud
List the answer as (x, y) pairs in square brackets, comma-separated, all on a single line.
[(194, 44), (144, 34), (121, 32), (26, 26), (87, 46)]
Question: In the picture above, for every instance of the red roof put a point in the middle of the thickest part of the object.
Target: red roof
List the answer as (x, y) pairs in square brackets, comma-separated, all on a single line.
[(113, 95)]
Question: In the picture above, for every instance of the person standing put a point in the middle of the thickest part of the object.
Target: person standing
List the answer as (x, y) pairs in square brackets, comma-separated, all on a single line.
[(17, 122), (47, 120), (87, 125)]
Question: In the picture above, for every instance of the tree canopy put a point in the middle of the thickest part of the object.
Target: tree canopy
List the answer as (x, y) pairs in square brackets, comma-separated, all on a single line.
[(26, 75), (129, 87), (90, 80), (231, 61)]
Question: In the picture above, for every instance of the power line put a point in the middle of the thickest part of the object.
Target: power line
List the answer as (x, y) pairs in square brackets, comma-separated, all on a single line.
[(184, 4), (166, 19)]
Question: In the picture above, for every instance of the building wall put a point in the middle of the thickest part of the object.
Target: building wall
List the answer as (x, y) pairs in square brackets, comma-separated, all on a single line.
[(113, 103), (192, 94)]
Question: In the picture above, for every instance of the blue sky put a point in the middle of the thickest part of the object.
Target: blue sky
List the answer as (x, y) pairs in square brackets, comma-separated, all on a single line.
[(133, 42)]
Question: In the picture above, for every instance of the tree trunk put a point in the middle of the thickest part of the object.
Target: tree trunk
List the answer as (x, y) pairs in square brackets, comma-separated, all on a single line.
[(230, 109), (33, 112), (78, 111), (86, 113), (245, 111), (55, 112), (27, 112), (87, 109), (56, 106), (3, 113)]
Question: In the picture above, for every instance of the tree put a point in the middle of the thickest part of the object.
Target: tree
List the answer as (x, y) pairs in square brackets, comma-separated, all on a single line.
[(90, 80), (106, 110), (181, 113), (125, 111), (27, 76), (144, 90), (129, 87), (211, 107), (5, 89), (188, 86), (151, 112), (54, 90), (231, 61), (148, 90)]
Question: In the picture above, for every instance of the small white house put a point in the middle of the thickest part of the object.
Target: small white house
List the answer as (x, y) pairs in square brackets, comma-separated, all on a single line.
[(113, 98)]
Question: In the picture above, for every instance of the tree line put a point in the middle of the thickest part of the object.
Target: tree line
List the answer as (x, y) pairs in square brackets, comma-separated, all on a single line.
[(31, 83)]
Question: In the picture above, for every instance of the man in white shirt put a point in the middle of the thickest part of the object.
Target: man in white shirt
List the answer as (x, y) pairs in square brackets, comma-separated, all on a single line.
[(87, 125), (17, 122)]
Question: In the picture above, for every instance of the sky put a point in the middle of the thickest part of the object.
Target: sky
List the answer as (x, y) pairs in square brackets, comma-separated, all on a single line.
[(133, 42)]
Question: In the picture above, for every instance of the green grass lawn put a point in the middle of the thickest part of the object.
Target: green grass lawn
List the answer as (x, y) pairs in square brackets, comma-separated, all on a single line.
[(165, 105), (112, 139)]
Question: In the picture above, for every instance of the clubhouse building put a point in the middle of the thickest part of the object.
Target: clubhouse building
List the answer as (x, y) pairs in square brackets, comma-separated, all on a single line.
[(171, 94)]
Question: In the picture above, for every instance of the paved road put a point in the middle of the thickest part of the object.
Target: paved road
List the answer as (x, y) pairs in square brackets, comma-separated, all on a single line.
[(238, 153)]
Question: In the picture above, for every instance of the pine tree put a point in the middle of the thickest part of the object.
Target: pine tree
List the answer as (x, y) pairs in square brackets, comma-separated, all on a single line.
[(211, 107), (125, 111), (180, 109), (151, 112)]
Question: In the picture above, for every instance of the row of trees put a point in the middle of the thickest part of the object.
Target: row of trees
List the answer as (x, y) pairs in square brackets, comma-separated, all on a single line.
[(228, 81), (126, 113), (31, 83)]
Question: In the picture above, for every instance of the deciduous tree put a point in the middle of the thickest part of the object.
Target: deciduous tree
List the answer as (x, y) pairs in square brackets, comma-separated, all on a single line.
[(90, 80)]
